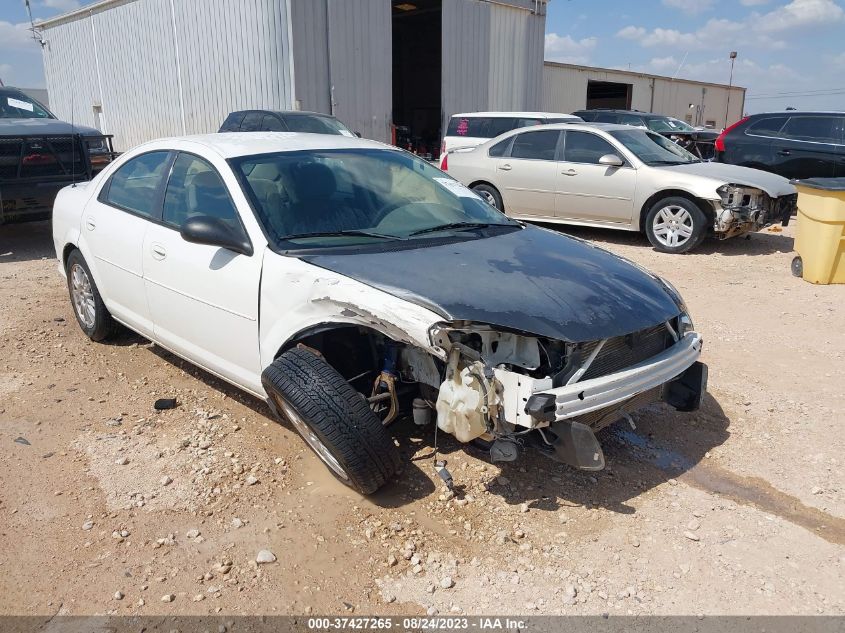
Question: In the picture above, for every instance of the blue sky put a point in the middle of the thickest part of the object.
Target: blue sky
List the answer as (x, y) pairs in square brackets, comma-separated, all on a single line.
[(795, 47)]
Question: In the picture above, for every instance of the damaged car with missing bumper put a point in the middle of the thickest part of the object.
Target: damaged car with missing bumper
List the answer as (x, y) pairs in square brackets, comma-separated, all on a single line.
[(348, 284)]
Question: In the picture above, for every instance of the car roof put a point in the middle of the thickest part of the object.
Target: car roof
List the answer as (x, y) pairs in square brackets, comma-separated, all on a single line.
[(797, 113), (534, 115), (235, 144), (633, 112), (285, 112), (586, 126)]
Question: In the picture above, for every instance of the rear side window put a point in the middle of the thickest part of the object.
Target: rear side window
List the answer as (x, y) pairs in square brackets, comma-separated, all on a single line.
[(604, 117), (500, 125), (232, 122), (820, 129), (469, 126), (528, 122), (501, 148), (583, 147), (252, 122), (312, 124), (271, 123), (135, 185), (195, 188), (768, 126), (540, 145)]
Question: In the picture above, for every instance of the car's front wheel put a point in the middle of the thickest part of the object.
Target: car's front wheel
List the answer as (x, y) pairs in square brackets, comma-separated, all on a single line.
[(88, 307), (675, 225), (334, 419), (490, 195)]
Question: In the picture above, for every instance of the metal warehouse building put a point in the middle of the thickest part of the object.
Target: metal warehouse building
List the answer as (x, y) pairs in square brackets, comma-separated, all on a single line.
[(567, 87), (141, 69)]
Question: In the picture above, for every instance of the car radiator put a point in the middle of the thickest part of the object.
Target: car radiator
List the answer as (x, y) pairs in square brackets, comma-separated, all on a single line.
[(620, 352)]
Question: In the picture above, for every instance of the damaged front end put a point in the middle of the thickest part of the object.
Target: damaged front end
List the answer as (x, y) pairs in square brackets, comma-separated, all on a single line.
[(743, 209), (513, 391)]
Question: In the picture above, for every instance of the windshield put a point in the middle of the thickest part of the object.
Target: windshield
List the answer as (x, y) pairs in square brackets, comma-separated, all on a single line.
[(652, 148), (669, 125), (16, 105), (338, 197), (316, 124)]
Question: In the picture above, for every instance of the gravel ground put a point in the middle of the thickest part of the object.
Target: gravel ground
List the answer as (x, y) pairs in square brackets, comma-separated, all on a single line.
[(109, 507)]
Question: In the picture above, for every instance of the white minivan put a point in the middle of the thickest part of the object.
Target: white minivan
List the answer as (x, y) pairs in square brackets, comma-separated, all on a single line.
[(469, 129)]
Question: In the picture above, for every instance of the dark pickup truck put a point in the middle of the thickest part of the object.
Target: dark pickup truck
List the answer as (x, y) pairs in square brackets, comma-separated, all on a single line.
[(40, 154)]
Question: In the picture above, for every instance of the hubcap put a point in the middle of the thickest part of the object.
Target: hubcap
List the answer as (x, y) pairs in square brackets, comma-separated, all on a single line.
[(308, 435), (82, 295), (673, 226), (488, 197)]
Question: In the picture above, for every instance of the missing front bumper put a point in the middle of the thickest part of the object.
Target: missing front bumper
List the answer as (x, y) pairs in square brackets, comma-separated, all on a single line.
[(571, 401)]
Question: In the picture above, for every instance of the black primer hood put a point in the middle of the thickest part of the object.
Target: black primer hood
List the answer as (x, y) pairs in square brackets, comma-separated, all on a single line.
[(533, 280)]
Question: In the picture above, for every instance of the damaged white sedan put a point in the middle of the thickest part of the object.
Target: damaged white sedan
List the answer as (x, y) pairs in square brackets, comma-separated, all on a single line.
[(613, 176), (348, 284)]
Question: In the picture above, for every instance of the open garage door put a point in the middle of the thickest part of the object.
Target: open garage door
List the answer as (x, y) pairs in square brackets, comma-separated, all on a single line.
[(609, 95)]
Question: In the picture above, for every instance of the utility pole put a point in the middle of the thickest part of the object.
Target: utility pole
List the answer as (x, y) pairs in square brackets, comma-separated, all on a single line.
[(730, 86)]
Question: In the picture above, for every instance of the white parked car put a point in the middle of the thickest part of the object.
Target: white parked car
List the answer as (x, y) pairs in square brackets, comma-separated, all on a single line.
[(614, 176), (346, 282), (469, 129)]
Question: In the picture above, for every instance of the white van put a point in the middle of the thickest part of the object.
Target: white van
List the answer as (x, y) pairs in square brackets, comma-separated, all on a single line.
[(474, 128)]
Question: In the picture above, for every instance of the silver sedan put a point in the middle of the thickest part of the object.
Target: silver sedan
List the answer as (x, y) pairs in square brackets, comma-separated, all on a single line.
[(615, 176)]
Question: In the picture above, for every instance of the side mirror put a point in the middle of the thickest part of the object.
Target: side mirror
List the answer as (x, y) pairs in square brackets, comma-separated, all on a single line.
[(211, 231), (611, 160)]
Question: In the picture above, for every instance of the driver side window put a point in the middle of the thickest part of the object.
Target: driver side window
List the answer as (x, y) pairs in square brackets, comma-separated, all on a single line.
[(195, 188)]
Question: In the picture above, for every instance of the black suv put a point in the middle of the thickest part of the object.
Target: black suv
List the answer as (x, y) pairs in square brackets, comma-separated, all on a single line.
[(699, 142), (791, 144), (283, 121)]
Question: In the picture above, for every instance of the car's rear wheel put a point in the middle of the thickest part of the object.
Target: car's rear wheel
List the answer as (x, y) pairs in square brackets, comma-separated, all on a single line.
[(490, 195), (88, 306), (335, 420), (675, 225)]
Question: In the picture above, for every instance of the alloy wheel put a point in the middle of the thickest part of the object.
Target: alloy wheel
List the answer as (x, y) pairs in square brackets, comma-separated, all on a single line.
[(82, 295), (310, 437), (673, 226)]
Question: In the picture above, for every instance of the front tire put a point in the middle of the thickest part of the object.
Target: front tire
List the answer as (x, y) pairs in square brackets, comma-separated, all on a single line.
[(88, 307), (490, 195), (675, 225), (334, 419)]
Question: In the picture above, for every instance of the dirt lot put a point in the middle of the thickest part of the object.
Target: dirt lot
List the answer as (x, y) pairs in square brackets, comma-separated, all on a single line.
[(110, 507)]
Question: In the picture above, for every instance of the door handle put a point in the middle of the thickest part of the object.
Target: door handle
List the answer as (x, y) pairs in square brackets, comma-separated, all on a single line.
[(569, 172), (505, 167), (90, 223), (784, 152), (158, 251)]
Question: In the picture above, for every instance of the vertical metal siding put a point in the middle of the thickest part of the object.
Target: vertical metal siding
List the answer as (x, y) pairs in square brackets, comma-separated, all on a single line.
[(310, 54), (233, 54), (360, 62), (492, 56), (465, 53)]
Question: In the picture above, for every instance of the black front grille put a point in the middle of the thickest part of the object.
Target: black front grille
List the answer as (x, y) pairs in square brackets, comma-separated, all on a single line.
[(621, 352)]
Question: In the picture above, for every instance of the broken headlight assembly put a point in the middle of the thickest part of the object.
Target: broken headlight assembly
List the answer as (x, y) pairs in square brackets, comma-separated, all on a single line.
[(685, 323)]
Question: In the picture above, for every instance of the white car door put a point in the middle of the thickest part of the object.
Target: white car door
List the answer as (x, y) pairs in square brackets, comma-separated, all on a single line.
[(588, 191), (528, 177), (113, 228), (203, 299)]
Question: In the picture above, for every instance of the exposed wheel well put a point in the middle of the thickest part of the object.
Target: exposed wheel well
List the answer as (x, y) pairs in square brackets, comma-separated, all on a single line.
[(352, 350), (675, 193), (69, 248)]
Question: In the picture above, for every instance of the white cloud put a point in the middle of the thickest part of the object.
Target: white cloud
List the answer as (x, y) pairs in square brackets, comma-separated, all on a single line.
[(691, 7), (14, 36), (564, 48), (800, 14), (61, 5), (632, 32)]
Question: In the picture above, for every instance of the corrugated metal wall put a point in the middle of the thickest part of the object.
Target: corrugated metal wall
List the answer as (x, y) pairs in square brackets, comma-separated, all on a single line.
[(492, 56), (310, 55), (167, 68), (565, 90), (361, 65)]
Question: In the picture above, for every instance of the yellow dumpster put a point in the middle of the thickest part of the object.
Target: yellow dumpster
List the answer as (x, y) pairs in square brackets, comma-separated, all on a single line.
[(820, 236)]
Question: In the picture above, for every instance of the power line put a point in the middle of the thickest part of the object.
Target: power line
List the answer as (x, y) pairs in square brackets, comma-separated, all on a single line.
[(798, 95)]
